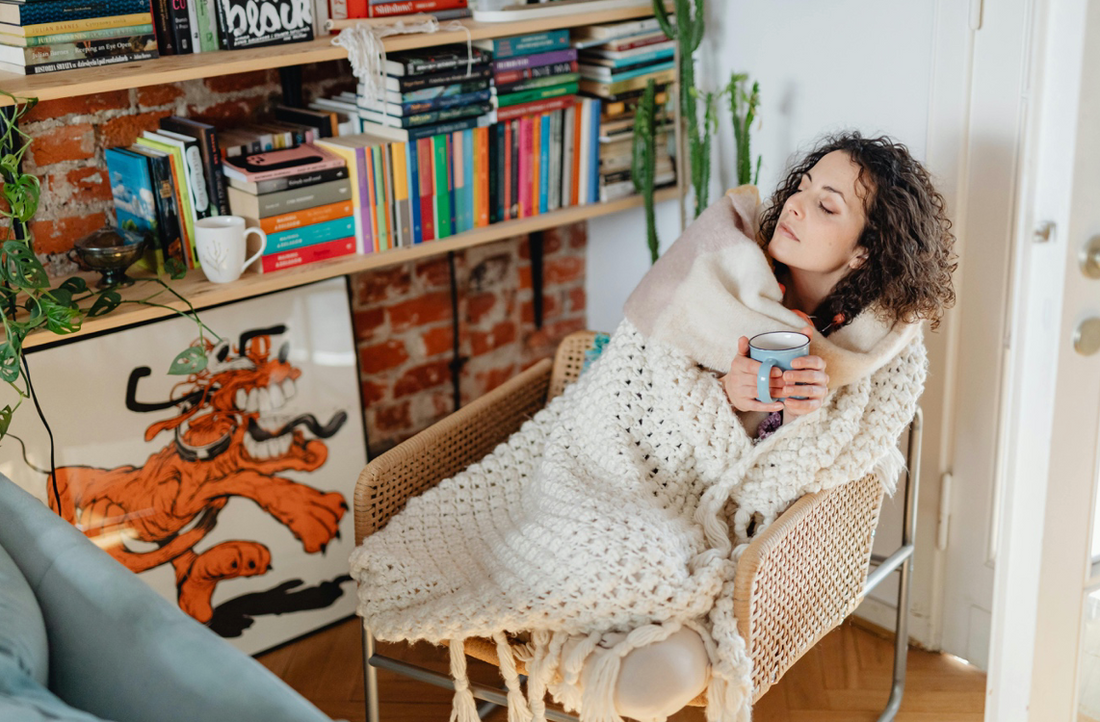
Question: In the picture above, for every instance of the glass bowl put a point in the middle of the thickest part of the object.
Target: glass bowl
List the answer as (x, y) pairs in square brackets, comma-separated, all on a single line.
[(110, 251)]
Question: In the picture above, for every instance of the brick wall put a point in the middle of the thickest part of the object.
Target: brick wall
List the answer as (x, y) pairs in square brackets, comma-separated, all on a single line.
[(403, 316)]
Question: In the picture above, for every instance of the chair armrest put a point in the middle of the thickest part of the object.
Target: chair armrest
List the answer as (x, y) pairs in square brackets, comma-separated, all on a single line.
[(800, 577), (443, 449)]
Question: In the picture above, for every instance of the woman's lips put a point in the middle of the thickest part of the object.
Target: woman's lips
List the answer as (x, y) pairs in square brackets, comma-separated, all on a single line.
[(783, 227)]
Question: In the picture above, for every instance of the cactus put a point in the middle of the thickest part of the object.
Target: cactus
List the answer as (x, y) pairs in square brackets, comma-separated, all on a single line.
[(688, 33), (644, 160), (743, 111)]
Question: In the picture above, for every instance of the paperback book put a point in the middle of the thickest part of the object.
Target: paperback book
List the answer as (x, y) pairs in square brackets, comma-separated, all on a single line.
[(257, 23), (256, 167), (32, 41), (423, 61), (79, 50)]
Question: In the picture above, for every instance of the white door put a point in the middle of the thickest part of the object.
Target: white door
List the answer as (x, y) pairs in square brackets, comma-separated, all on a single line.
[(1044, 646)]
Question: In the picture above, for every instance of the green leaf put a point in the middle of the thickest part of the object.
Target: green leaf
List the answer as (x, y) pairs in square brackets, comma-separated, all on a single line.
[(9, 362), (21, 267), (62, 297), (108, 301), (74, 285), (22, 196), (5, 420), (176, 269), (60, 318), (189, 361)]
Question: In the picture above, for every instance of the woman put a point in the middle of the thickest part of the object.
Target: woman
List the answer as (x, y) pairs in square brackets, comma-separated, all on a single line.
[(609, 526)]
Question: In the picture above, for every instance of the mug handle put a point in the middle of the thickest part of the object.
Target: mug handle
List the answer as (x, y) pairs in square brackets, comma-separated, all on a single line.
[(263, 245), (763, 381)]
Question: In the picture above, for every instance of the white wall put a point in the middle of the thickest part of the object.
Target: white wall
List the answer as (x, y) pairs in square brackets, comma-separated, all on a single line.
[(822, 67)]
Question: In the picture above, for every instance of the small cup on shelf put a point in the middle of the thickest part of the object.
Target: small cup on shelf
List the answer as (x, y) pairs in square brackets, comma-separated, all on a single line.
[(221, 242)]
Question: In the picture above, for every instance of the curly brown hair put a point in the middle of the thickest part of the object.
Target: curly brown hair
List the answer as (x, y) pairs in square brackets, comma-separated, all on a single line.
[(907, 235)]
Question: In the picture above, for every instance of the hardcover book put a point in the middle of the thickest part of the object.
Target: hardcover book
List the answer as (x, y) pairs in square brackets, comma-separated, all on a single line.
[(430, 118), (207, 137), (532, 61), (132, 189), (79, 50), (289, 182), (256, 167), (170, 240), (422, 61), (274, 204), (53, 67), (53, 11), (525, 44), (427, 106), (29, 42), (450, 76), (411, 7), (76, 26), (256, 23)]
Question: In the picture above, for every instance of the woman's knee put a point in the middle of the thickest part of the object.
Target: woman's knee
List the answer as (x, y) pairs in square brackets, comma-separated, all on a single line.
[(660, 678)]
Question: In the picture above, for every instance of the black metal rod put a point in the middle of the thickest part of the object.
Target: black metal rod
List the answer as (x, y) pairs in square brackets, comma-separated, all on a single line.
[(534, 244), (457, 361)]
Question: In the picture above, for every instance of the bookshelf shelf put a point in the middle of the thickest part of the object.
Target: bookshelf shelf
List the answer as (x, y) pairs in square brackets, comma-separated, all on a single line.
[(176, 68), (202, 294)]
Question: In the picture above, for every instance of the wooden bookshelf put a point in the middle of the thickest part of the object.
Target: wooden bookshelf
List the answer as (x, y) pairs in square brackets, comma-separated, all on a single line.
[(176, 68), (202, 294)]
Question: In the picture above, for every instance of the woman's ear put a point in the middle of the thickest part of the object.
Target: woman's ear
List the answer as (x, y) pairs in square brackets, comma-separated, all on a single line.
[(858, 259)]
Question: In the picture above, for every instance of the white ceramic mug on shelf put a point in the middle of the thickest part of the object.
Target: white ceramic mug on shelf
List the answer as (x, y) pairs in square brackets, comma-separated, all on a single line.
[(221, 242)]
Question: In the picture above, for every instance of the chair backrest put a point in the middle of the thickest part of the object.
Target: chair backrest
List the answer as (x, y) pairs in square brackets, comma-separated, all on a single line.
[(569, 360)]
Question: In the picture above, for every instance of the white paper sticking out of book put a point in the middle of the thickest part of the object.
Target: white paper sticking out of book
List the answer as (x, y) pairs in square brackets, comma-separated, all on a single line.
[(506, 11)]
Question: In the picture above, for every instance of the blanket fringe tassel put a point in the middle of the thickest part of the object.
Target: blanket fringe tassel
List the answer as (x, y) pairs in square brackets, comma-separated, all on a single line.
[(464, 708), (518, 711)]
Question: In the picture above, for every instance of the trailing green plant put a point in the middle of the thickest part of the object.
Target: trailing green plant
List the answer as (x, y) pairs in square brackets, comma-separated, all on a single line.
[(28, 300), (688, 33), (743, 105), (644, 160)]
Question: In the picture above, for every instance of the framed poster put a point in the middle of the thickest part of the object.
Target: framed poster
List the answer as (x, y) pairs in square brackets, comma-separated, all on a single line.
[(228, 490)]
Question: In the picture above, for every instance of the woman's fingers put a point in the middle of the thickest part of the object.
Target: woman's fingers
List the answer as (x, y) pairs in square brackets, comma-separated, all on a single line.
[(808, 362), (816, 378), (743, 346)]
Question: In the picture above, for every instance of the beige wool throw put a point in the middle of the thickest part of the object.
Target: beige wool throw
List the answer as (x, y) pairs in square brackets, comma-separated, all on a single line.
[(623, 505)]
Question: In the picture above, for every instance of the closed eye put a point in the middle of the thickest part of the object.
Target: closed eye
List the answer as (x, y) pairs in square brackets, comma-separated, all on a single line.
[(822, 207)]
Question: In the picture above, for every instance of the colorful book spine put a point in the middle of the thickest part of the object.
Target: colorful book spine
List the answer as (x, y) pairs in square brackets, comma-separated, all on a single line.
[(536, 162), (449, 139), (387, 198), (544, 164), (306, 217), (524, 168), (424, 157), (533, 96), (42, 12), (530, 44), (132, 188), (442, 204), (511, 77), (364, 236), (309, 254), (458, 181), (538, 106), (506, 162), (129, 31), (412, 7), (532, 61), (594, 153), (402, 211), (468, 170), (379, 191), (413, 164), (95, 62), (309, 235), (515, 151), (371, 192), (578, 124), (567, 158)]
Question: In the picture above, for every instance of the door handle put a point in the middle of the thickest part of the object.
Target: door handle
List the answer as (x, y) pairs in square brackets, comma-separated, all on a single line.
[(1089, 257), (1086, 337)]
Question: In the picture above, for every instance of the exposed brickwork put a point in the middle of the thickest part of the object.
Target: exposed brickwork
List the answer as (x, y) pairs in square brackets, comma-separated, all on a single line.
[(497, 336)]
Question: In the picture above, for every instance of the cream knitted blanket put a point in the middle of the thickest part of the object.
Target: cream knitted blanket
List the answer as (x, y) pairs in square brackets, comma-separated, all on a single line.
[(624, 504)]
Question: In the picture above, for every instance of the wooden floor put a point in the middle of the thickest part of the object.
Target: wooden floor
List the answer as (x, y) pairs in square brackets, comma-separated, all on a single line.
[(845, 678)]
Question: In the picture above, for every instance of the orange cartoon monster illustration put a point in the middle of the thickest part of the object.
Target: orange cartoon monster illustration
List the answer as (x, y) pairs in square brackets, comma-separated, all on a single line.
[(231, 437)]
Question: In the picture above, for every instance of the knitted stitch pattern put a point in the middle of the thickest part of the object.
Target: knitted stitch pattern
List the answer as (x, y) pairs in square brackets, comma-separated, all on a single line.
[(620, 507)]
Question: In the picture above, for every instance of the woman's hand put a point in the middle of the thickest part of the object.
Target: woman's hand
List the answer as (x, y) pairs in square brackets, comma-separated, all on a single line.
[(813, 383), (740, 382)]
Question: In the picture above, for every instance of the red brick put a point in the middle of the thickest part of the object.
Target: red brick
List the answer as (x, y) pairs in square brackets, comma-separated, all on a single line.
[(550, 309), (563, 270), (437, 340), (113, 100), (391, 417), (125, 129), (421, 377), (369, 321), (58, 236), (154, 95), (551, 243), (434, 273), (91, 184), (380, 357), (373, 392), (239, 81), (228, 113), (382, 285), (429, 308), (578, 236), (525, 277), (495, 377), (501, 334), (577, 299), (66, 142), (478, 305)]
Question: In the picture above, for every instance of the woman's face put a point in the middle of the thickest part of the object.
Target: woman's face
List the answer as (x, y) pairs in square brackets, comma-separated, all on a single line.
[(819, 228)]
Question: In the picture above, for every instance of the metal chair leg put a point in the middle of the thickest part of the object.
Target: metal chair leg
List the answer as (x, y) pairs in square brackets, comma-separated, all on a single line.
[(370, 677)]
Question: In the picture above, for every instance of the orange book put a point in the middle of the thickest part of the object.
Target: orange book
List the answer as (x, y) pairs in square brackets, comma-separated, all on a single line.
[(304, 217), (481, 179), (536, 161), (577, 124)]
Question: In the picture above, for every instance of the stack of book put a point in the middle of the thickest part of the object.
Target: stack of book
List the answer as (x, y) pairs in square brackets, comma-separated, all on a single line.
[(184, 27), (300, 197), (358, 9), (43, 36), (288, 128), (616, 63), (538, 113), (165, 182)]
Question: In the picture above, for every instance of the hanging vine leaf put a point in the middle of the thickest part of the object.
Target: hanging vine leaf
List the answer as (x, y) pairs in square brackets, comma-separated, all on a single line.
[(74, 285), (189, 361), (22, 268), (60, 318), (176, 269), (108, 301), (9, 362), (22, 196), (5, 420)]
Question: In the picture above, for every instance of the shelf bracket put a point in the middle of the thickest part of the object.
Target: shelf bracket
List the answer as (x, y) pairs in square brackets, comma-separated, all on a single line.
[(534, 244), (291, 78)]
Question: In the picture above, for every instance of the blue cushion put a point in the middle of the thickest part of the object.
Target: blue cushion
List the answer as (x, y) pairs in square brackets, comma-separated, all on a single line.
[(24, 699), (22, 630)]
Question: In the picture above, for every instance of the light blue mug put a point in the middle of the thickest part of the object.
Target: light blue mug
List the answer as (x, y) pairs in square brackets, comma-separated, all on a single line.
[(775, 348)]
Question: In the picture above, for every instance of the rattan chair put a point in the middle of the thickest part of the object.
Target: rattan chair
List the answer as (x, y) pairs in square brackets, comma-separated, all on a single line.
[(796, 581)]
